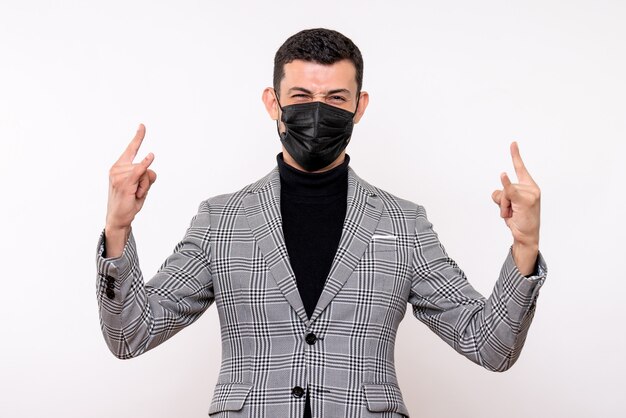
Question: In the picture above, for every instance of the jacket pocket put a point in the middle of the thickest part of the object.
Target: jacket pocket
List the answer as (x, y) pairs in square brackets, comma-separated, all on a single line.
[(383, 243), (229, 397), (384, 397)]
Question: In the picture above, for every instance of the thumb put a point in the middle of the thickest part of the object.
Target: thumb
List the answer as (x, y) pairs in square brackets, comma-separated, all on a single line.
[(151, 176), (144, 186), (496, 196)]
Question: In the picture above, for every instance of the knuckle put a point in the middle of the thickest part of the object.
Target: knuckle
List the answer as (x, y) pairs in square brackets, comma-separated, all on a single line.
[(115, 180), (138, 169)]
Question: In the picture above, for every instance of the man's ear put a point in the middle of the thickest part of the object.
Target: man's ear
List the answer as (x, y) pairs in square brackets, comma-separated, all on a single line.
[(270, 102), (364, 99)]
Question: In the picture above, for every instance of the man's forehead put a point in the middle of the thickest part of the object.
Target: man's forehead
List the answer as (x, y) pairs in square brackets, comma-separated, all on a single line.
[(314, 76)]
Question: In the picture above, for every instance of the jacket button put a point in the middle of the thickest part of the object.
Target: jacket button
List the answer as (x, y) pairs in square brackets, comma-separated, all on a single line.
[(110, 293), (297, 392), (310, 338)]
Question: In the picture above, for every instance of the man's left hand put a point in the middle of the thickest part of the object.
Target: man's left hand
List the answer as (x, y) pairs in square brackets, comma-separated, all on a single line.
[(520, 208)]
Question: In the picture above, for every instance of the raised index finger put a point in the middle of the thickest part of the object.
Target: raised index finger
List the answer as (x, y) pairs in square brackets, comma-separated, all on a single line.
[(133, 147), (520, 169)]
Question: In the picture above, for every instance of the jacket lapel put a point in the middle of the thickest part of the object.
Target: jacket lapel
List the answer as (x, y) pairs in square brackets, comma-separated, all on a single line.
[(364, 209), (262, 209)]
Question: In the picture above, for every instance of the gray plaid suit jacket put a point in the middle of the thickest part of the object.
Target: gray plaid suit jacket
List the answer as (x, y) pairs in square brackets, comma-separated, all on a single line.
[(234, 254)]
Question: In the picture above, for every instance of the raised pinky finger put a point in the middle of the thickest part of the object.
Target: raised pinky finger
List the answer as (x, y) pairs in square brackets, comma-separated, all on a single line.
[(146, 162), (504, 178)]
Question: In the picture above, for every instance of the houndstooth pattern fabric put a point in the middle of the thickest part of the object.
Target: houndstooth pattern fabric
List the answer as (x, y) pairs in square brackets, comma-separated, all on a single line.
[(234, 255)]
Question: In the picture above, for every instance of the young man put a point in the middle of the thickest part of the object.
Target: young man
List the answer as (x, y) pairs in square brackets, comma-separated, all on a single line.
[(311, 268)]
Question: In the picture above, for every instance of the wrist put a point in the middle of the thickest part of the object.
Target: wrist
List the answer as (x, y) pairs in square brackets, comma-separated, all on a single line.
[(525, 256), (115, 239), (116, 231)]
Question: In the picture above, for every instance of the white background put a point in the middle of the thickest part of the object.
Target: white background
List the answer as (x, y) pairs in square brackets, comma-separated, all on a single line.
[(452, 83)]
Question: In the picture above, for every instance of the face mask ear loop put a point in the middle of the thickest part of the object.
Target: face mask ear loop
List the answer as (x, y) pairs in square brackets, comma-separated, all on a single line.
[(277, 101), (280, 135), (358, 98)]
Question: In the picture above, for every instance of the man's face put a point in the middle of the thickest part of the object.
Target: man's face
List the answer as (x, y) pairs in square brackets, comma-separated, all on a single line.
[(306, 81), (309, 81)]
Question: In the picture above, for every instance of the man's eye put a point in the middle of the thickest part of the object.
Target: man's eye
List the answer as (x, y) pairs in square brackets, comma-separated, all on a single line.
[(337, 98)]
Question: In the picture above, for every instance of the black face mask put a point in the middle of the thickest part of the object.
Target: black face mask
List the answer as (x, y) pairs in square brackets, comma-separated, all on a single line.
[(316, 133)]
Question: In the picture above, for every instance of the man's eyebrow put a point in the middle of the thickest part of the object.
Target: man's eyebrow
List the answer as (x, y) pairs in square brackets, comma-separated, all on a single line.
[(330, 92), (301, 89), (339, 91)]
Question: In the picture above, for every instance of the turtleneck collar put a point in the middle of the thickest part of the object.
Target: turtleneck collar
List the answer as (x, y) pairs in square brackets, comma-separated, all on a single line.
[(301, 183)]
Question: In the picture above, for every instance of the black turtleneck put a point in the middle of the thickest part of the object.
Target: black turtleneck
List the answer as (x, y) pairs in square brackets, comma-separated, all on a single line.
[(313, 208)]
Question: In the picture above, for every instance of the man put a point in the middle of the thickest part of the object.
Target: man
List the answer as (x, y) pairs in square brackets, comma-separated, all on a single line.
[(311, 268)]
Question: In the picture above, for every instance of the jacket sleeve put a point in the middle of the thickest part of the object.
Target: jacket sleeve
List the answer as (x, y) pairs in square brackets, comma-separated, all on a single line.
[(136, 317), (490, 332)]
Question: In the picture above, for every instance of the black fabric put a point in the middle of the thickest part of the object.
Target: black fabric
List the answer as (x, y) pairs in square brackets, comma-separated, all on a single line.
[(315, 133), (313, 208), (307, 405)]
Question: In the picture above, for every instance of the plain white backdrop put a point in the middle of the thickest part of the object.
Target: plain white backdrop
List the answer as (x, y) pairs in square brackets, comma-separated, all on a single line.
[(452, 83)]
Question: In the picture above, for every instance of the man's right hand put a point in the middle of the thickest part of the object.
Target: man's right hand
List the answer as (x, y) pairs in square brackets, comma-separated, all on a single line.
[(128, 187)]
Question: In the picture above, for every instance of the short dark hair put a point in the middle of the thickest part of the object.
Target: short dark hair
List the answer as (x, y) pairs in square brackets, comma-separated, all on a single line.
[(323, 46)]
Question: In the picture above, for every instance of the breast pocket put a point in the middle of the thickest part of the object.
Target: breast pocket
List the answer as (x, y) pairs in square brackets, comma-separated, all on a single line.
[(383, 266), (383, 243)]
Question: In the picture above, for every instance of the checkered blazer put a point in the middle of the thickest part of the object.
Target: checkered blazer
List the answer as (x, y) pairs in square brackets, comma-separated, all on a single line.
[(234, 254)]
